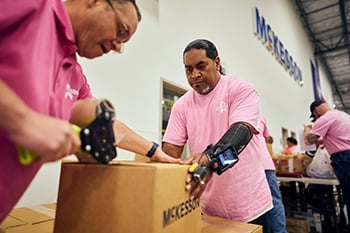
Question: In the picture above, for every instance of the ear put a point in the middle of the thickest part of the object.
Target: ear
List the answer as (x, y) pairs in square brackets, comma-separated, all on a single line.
[(217, 63)]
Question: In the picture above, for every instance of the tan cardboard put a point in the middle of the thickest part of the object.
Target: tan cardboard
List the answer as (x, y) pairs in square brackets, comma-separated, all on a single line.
[(29, 219), (219, 225), (131, 197), (208, 224), (11, 222), (43, 227), (291, 164)]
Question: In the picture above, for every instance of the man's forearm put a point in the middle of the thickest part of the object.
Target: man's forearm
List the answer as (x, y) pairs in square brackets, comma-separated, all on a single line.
[(310, 138), (83, 112), (129, 140), (172, 150)]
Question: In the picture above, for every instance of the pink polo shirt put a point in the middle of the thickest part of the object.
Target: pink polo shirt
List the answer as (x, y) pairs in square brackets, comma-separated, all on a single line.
[(242, 192), (334, 128), (38, 62)]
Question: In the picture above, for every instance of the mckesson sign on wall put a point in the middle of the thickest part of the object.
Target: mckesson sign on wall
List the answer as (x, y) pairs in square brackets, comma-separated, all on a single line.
[(269, 38)]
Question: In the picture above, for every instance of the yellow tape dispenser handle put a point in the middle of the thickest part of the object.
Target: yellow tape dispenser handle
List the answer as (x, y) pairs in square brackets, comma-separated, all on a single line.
[(26, 157)]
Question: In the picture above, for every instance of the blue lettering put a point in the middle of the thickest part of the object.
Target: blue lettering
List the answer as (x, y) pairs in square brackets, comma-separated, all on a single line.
[(272, 43), (292, 65), (270, 35), (287, 59), (260, 26), (281, 52), (275, 46)]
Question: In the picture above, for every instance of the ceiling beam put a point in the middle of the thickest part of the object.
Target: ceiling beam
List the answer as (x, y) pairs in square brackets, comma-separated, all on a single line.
[(321, 57)]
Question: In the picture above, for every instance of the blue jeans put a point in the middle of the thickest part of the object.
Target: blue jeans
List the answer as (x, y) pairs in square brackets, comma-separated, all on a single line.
[(277, 214), (341, 166)]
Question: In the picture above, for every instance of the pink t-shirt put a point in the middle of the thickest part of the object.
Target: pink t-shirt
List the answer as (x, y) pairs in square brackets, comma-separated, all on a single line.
[(265, 155), (38, 62), (334, 128), (241, 193), (290, 149)]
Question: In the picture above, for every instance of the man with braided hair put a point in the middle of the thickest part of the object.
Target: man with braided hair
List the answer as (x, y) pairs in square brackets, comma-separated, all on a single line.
[(221, 111)]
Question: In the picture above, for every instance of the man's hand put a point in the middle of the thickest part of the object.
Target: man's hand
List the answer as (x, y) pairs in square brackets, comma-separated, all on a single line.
[(307, 128), (197, 186), (48, 138), (310, 138)]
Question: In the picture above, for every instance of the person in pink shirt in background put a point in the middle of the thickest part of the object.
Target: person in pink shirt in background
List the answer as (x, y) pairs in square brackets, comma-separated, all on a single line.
[(277, 214), (291, 147), (333, 128), (42, 86), (223, 111)]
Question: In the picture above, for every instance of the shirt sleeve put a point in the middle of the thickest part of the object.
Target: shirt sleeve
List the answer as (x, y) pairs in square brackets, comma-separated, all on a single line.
[(85, 90), (244, 105), (321, 126), (175, 132), (265, 130)]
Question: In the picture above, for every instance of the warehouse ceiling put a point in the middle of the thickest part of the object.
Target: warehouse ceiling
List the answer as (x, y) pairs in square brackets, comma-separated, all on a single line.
[(327, 23)]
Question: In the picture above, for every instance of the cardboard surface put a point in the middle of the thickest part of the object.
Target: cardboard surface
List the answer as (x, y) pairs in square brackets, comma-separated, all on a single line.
[(219, 225), (208, 224), (122, 197), (43, 227), (11, 222), (125, 197), (30, 219)]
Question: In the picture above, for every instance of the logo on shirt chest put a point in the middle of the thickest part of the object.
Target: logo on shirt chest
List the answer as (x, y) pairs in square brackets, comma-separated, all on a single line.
[(70, 92), (222, 107)]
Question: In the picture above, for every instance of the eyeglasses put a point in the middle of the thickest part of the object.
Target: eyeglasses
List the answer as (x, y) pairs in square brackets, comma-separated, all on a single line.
[(122, 29)]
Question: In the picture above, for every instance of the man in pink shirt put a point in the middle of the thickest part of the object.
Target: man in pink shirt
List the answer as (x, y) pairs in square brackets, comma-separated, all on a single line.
[(223, 111), (333, 127), (41, 82)]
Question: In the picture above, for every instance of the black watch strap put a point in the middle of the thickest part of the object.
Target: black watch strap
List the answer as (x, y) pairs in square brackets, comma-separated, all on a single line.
[(153, 149)]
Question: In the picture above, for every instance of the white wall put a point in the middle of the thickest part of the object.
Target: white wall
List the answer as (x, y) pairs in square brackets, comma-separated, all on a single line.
[(132, 80)]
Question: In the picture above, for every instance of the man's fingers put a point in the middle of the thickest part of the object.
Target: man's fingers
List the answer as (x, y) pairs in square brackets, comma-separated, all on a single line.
[(197, 189)]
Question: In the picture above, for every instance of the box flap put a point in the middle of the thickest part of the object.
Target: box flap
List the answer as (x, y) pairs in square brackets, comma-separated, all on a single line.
[(32, 215), (12, 222), (44, 227)]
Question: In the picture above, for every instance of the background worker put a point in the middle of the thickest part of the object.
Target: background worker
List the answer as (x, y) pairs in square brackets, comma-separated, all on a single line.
[(277, 214), (291, 147), (333, 126), (41, 81), (220, 110)]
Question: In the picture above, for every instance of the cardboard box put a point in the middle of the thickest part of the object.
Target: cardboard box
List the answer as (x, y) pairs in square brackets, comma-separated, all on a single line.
[(291, 165), (130, 197), (219, 225), (29, 219), (40, 218)]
